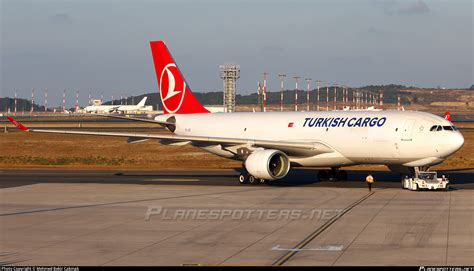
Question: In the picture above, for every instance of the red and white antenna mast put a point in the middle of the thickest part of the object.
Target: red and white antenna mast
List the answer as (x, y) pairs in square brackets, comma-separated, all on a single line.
[(318, 82), (381, 99), (357, 99), (77, 100), (367, 98), (343, 96), (353, 99), (265, 92), (46, 100), (308, 85), (64, 100), (15, 101), (347, 96), (364, 101), (282, 78), (327, 97), (32, 101), (398, 101), (296, 92)]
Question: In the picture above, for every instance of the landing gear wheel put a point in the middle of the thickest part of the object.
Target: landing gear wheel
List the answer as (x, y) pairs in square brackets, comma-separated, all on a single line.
[(323, 175), (243, 179), (253, 180), (333, 175)]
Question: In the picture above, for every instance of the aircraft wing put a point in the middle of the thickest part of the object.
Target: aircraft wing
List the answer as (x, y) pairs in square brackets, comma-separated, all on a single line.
[(136, 119), (302, 148), (112, 109)]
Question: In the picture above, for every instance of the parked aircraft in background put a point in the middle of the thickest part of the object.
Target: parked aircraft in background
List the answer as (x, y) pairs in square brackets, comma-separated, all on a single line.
[(107, 109)]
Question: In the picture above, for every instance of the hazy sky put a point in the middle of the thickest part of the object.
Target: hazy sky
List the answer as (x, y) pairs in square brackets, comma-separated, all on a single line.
[(102, 45)]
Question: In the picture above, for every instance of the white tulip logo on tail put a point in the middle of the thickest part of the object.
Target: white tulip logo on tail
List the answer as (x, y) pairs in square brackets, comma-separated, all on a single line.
[(171, 92)]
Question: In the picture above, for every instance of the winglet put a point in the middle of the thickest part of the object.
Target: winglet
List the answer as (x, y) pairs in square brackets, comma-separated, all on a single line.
[(17, 124)]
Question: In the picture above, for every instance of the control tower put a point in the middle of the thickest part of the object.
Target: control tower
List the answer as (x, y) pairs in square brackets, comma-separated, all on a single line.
[(229, 73)]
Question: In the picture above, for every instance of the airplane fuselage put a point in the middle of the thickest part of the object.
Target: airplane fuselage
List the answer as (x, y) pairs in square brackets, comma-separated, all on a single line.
[(356, 137)]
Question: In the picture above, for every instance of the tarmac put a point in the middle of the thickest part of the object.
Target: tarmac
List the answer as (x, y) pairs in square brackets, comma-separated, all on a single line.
[(206, 218)]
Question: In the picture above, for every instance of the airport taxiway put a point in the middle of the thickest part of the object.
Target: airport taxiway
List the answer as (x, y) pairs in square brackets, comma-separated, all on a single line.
[(99, 218)]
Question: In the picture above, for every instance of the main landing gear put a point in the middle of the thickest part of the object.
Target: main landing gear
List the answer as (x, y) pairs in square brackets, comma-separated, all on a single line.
[(250, 179), (332, 175)]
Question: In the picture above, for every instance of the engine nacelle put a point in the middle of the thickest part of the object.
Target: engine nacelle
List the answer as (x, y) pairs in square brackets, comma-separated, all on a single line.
[(268, 164)]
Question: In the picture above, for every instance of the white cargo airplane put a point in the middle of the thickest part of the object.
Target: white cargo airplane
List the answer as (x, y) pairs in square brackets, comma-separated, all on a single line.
[(270, 143), (115, 108)]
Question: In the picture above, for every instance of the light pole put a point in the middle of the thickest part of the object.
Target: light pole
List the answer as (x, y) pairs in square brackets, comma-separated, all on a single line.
[(317, 102), (282, 78), (308, 84), (265, 92), (327, 97), (296, 92)]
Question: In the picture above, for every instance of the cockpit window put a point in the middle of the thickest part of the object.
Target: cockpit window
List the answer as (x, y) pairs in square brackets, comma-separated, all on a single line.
[(448, 128), (440, 128)]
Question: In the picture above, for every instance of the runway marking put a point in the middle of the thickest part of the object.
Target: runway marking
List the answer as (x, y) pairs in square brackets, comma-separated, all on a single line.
[(127, 201), (366, 225), (323, 248), (318, 231), (172, 180), (332, 191)]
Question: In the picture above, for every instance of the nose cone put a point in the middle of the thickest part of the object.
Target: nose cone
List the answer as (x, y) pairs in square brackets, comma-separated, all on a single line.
[(456, 141)]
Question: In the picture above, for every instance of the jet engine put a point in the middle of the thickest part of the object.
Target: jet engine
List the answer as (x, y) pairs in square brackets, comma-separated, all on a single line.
[(268, 164)]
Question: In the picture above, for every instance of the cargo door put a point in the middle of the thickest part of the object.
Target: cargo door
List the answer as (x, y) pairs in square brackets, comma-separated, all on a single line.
[(408, 130)]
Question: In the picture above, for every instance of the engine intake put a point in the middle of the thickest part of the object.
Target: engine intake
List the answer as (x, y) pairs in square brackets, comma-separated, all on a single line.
[(268, 164)]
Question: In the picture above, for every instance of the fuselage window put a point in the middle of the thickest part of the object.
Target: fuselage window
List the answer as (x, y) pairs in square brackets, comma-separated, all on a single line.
[(433, 128), (448, 128), (454, 128), (439, 128)]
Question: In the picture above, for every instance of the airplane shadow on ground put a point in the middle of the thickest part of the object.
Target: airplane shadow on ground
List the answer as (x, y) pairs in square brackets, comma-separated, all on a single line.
[(301, 177), (459, 179)]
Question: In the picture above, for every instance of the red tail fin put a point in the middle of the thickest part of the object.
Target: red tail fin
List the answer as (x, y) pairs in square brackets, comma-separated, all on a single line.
[(447, 116), (176, 97)]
